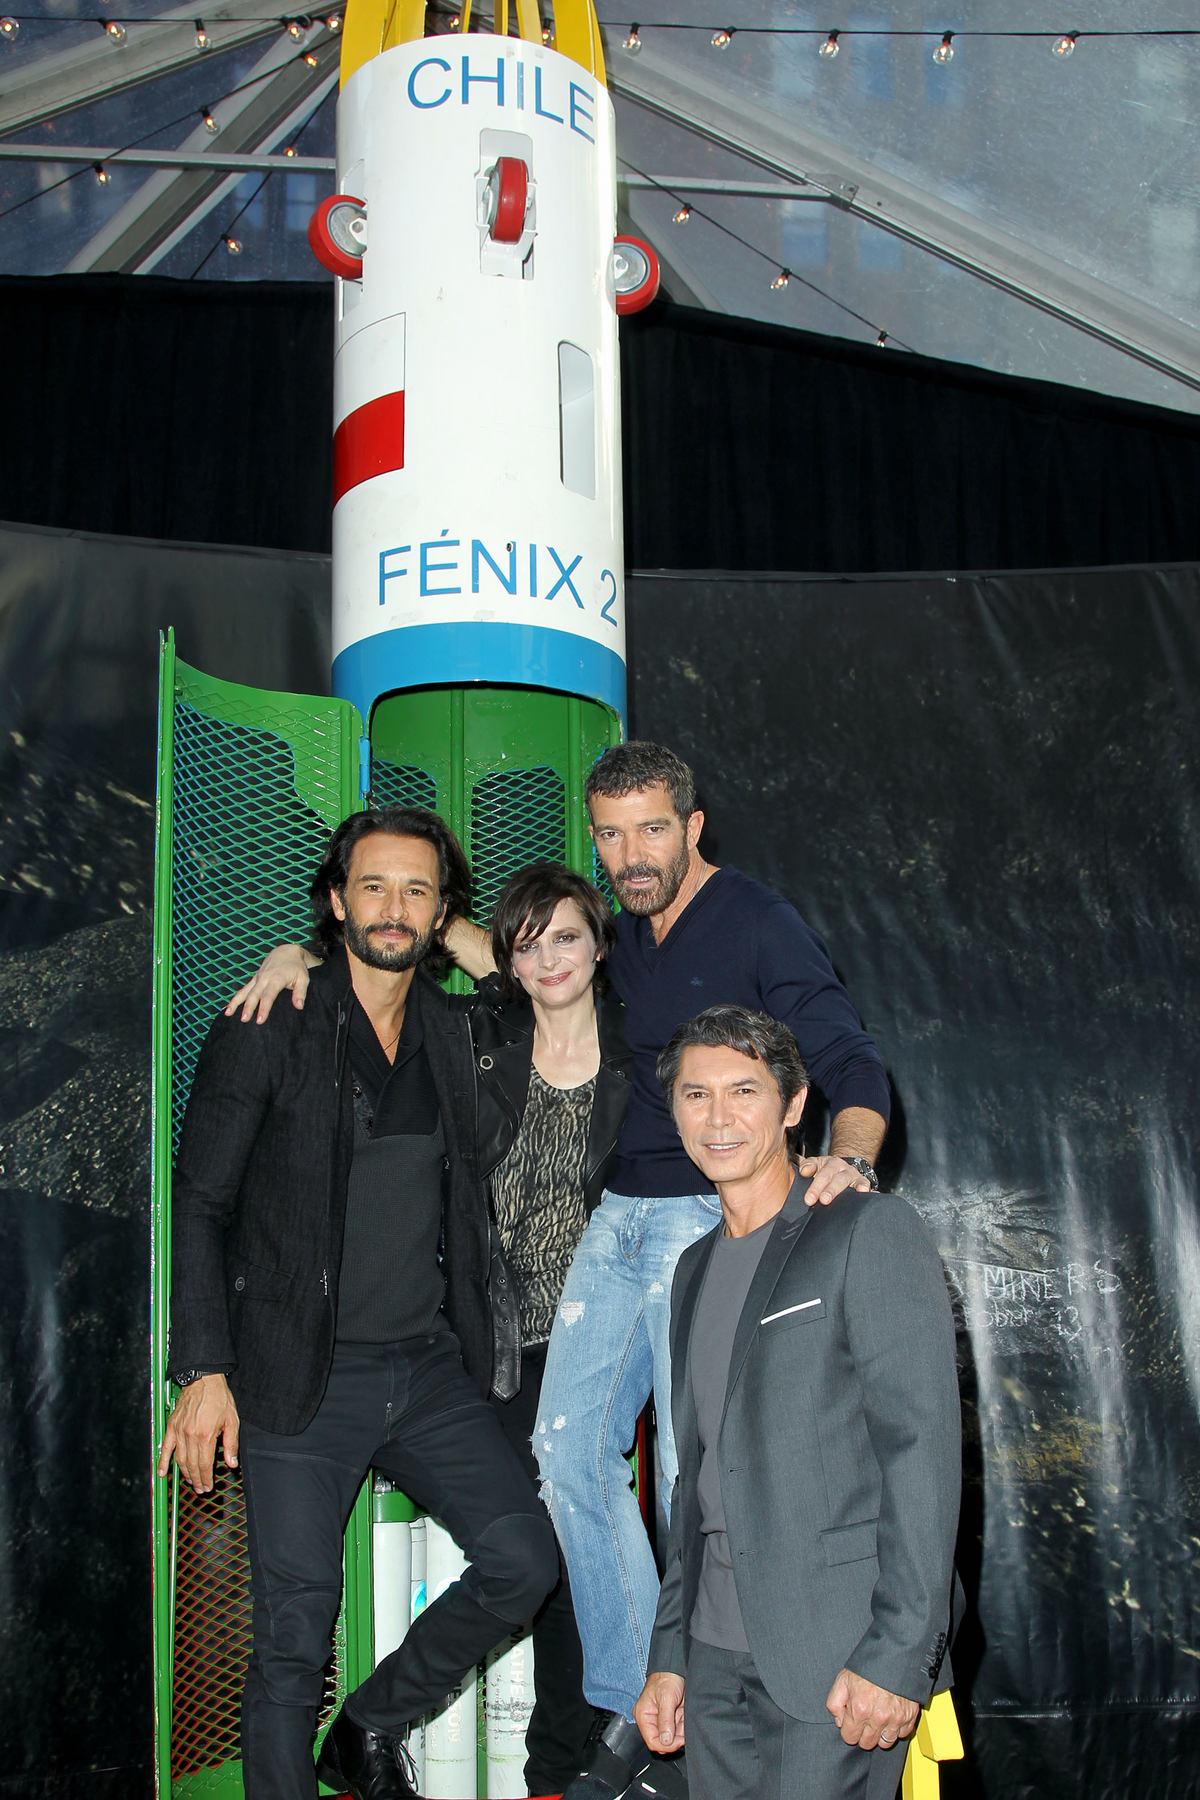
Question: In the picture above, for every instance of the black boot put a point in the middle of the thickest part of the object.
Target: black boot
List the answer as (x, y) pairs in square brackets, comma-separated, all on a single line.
[(613, 1755), (664, 1779), (365, 1764)]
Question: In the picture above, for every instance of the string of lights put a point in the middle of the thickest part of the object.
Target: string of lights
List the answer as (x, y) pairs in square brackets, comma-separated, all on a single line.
[(228, 237), (231, 242), (829, 44), (829, 40), (687, 210), (117, 29), (100, 172), (721, 36)]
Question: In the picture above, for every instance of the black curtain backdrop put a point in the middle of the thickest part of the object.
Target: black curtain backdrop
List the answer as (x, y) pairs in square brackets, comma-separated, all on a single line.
[(979, 789), (201, 412), (79, 624)]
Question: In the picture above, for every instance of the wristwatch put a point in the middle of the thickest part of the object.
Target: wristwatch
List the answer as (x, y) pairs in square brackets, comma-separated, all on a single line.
[(865, 1170), (185, 1377)]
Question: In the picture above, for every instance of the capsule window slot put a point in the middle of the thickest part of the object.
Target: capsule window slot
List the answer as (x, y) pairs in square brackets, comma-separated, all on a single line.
[(577, 420)]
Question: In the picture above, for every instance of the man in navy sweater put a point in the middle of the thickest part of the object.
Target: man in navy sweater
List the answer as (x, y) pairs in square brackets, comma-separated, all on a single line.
[(689, 936)]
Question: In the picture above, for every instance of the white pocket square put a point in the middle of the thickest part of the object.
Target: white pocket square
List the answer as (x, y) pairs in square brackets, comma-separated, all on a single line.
[(803, 1307)]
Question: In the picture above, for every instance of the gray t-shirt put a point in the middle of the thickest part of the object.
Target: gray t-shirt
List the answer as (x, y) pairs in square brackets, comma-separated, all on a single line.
[(717, 1617)]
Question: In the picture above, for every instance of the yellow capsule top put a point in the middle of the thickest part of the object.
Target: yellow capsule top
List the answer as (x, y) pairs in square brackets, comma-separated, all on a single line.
[(371, 26)]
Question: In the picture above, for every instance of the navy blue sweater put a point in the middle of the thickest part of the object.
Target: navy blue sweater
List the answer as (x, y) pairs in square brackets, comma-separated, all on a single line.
[(737, 942)]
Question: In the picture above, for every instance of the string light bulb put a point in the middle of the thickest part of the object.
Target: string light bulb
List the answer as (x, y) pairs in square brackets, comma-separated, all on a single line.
[(294, 29), (1066, 43), (945, 50), (782, 279), (334, 22), (720, 38), (881, 341), (310, 57), (830, 47), (547, 35), (454, 22), (633, 42), (290, 150), (102, 175), (202, 38), (210, 123), (113, 29), (683, 215), (234, 246), (9, 29)]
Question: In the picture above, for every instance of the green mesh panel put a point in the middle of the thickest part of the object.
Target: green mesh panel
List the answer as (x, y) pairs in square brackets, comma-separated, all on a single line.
[(600, 879), (398, 784), (517, 817), (255, 783), (212, 1629), (244, 850)]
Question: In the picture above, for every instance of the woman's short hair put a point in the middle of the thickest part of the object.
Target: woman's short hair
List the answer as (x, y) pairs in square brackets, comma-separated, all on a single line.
[(526, 906)]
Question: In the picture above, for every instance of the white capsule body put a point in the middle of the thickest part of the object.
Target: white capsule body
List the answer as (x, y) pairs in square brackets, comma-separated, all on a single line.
[(477, 518)]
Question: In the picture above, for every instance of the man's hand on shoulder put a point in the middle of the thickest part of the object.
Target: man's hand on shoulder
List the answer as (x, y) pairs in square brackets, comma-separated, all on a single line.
[(285, 967), (867, 1715), (659, 1712), (855, 1131), (831, 1176), (204, 1412)]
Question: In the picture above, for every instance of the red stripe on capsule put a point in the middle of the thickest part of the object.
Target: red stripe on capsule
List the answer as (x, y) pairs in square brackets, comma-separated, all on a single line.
[(368, 442)]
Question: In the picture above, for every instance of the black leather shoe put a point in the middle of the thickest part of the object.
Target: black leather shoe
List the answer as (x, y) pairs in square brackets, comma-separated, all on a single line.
[(665, 1778), (613, 1756), (365, 1764)]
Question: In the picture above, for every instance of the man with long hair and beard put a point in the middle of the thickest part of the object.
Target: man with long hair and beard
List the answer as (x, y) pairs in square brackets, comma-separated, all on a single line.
[(314, 1330)]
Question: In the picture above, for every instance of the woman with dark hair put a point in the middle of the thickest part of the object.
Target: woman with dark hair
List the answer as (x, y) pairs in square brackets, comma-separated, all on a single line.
[(552, 1074)]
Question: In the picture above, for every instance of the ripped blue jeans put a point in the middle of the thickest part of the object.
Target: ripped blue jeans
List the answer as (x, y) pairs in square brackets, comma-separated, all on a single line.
[(610, 1345)]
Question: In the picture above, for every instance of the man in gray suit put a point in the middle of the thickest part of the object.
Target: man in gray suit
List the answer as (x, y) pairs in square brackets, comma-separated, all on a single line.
[(810, 1568)]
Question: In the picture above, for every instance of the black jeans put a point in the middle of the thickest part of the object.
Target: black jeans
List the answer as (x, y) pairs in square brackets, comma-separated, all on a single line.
[(409, 1410), (561, 1717)]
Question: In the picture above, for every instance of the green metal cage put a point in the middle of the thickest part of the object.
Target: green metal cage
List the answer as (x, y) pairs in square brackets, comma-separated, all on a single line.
[(250, 784)]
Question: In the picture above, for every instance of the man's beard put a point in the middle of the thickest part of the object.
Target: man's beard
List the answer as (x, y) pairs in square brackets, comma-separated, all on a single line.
[(656, 899), (393, 957)]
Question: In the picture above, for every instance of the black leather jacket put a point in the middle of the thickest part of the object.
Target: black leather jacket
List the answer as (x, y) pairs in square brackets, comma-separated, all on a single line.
[(259, 1200), (502, 1043)]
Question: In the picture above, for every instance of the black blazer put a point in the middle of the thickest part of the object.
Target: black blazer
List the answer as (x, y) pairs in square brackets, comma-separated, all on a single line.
[(259, 1199), (502, 1047)]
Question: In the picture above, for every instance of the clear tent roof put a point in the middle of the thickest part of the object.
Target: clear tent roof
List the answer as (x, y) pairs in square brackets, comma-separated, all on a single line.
[(1031, 212)]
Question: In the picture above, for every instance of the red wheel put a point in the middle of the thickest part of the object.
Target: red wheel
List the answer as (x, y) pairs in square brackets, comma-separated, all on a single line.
[(636, 274), (508, 197), (337, 235)]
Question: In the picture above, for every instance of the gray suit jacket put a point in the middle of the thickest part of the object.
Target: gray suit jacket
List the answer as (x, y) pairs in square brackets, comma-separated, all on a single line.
[(839, 1455)]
